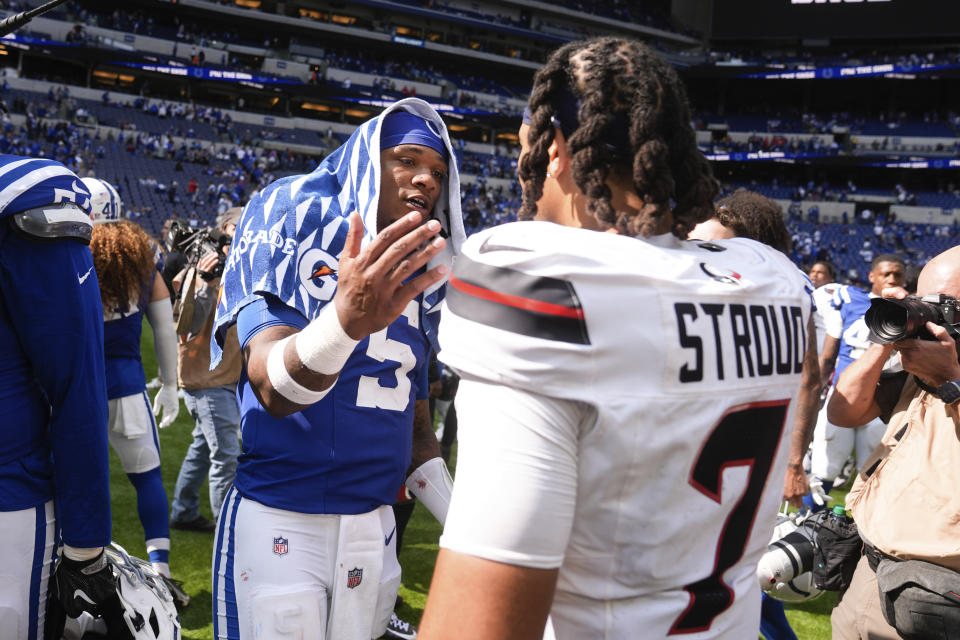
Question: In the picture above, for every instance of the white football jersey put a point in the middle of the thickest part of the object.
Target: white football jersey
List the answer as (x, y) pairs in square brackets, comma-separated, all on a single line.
[(826, 319), (660, 376)]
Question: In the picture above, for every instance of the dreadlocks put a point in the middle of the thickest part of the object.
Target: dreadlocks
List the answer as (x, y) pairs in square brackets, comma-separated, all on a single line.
[(634, 124), (751, 215), (123, 256)]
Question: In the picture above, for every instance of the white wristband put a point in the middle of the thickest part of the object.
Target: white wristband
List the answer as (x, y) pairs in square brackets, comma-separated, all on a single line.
[(432, 485), (323, 345), (80, 554), (284, 384)]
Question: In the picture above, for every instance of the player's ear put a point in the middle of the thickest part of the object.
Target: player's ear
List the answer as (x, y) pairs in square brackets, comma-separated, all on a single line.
[(558, 160)]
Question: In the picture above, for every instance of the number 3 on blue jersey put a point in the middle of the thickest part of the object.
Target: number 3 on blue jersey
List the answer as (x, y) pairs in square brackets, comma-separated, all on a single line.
[(380, 348)]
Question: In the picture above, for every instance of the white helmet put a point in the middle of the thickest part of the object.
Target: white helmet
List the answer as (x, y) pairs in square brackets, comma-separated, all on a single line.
[(148, 609), (105, 202), (784, 571)]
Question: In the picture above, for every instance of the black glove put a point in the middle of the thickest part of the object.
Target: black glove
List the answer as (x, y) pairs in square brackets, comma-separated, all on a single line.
[(83, 585)]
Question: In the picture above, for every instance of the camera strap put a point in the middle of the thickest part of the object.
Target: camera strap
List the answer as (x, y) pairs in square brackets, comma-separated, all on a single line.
[(926, 387)]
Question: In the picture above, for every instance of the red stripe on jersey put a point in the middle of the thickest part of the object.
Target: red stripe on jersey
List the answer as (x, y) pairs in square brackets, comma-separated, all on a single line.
[(519, 302)]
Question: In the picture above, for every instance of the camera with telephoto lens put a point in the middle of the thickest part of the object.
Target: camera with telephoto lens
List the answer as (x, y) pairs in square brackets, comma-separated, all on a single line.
[(196, 243), (890, 320)]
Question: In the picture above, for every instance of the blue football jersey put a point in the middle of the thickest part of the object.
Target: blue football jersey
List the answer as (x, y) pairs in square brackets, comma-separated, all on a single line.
[(53, 401), (121, 346), (121, 349), (349, 452), (852, 303)]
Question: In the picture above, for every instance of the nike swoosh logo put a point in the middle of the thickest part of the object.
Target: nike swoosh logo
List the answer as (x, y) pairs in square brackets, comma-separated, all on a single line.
[(486, 246), (387, 540), (84, 276), (78, 593)]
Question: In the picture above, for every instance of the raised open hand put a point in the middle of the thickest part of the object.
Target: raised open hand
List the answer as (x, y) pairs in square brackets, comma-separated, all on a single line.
[(371, 292)]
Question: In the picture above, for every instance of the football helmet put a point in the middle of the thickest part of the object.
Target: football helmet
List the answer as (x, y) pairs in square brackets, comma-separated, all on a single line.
[(147, 607), (785, 570), (105, 202)]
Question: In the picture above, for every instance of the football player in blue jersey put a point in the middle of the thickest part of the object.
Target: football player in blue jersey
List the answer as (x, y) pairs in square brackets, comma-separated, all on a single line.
[(846, 340), (126, 262), (334, 281), (53, 401)]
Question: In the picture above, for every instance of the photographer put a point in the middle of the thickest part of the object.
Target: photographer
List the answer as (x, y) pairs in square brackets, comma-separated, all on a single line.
[(210, 396), (905, 500)]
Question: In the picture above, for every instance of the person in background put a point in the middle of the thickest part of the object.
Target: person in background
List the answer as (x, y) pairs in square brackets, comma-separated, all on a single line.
[(210, 396), (127, 266), (904, 499), (847, 337)]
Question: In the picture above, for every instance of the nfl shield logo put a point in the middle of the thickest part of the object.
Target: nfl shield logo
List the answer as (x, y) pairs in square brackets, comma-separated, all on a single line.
[(354, 577), (280, 546)]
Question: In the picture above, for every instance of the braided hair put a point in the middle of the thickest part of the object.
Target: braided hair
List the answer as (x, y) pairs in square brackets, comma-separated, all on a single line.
[(634, 123)]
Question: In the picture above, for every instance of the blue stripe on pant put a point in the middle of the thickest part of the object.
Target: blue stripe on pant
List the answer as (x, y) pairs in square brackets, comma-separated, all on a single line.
[(36, 575), (224, 556)]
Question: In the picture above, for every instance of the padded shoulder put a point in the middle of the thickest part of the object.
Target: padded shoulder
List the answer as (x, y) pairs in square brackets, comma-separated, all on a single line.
[(55, 222)]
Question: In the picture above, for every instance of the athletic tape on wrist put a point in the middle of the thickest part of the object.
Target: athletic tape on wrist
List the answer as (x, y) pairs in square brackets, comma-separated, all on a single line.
[(323, 345), (81, 554), (283, 383), (432, 485)]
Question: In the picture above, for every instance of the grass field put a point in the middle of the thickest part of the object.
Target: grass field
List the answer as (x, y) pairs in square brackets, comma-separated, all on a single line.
[(190, 554)]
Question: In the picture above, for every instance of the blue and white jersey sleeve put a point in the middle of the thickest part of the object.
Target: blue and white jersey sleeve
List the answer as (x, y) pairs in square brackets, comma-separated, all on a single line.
[(51, 304)]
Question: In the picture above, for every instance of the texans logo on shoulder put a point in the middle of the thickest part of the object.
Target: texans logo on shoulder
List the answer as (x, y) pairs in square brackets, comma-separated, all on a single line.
[(720, 274)]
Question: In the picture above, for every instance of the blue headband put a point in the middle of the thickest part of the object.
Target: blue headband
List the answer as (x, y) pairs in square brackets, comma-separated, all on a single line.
[(566, 118), (402, 127)]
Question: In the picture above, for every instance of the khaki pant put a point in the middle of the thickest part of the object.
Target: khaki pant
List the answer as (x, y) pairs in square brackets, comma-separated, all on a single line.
[(858, 616)]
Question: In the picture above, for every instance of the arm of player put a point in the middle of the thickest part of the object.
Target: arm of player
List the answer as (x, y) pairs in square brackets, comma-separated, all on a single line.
[(290, 369), (473, 598), (53, 287), (831, 346), (510, 517), (808, 402), (854, 402), (160, 317), (428, 478)]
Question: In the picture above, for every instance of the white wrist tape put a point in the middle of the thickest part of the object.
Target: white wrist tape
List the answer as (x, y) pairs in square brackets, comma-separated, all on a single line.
[(79, 554), (323, 345), (432, 485), (283, 383)]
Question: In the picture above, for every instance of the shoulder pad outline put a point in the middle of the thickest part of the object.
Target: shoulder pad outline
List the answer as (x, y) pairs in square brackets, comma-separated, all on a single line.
[(67, 222)]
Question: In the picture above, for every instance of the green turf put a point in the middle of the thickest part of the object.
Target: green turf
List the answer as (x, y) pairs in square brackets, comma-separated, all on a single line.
[(190, 553)]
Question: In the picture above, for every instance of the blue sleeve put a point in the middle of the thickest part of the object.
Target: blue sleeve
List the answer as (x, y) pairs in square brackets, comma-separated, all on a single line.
[(265, 312), (59, 324), (423, 380)]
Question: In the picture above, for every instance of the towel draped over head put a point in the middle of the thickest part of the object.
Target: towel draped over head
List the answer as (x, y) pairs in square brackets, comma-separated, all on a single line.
[(288, 241)]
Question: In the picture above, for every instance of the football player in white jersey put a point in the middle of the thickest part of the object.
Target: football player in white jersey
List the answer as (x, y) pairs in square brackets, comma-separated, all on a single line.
[(823, 276), (745, 214), (625, 395)]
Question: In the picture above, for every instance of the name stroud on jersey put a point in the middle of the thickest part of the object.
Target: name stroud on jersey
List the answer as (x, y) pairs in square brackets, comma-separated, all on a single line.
[(765, 340)]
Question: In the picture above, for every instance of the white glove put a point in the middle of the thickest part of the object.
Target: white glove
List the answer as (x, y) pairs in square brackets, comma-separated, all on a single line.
[(817, 493), (167, 401)]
